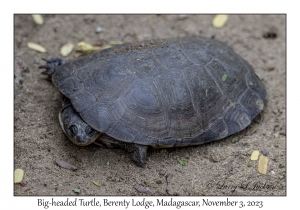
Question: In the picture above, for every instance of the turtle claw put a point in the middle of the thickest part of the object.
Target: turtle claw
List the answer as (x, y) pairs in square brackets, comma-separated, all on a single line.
[(52, 64), (45, 73)]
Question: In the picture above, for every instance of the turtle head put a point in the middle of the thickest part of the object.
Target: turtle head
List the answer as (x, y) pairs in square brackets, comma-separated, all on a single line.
[(77, 130)]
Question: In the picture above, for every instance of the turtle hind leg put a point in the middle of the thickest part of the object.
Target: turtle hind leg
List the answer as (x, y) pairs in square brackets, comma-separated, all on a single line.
[(137, 152), (52, 64)]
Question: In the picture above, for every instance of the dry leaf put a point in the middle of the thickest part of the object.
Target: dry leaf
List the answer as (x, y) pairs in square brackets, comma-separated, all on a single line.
[(254, 155), (38, 19), (36, 47), (65, 165), (234, 140), (224, 77), (181, 162), (97, 183), (263, 164), (66, 49), (76, 191), (19, 174), (282, 176), (143, 190), (219, 21)]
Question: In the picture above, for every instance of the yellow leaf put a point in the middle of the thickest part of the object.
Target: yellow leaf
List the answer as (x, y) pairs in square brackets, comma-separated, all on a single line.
[(219, 21), (111, 44), (254, 155), (263, 164), (115, 42), (83, 46), (36, 47), (106, 46), (38, 19), (66, 49), (97, 183), (77, 54), (19, 173)]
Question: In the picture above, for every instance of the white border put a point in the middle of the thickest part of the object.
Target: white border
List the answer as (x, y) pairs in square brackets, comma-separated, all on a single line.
[(218, 6)]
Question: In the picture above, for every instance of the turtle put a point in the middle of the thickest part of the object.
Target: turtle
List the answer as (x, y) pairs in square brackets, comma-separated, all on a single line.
[(157, 93)]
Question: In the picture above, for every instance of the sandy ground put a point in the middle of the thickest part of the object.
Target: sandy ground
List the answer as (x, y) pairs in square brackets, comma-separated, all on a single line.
[(218, 168)]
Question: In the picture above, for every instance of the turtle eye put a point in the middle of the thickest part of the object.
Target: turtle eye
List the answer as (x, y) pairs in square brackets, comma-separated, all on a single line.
[(89, 131), (74, 129)]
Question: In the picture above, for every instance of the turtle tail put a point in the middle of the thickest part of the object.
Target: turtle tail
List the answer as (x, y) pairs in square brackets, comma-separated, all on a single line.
[(52, 64)]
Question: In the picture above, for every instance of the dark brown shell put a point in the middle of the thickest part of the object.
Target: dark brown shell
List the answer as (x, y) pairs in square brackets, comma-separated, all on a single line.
[(170, 92)]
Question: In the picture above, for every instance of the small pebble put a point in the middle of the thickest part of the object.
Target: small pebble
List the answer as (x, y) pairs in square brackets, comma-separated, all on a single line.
[(265, 152), (182, 17), (270, 66), (158, 182), (144, 190), (99, 29), (270, 35), (272, 172)]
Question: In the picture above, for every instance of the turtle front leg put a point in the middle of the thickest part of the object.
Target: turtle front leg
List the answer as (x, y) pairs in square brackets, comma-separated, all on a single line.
[(52, 64), (138, 152)]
